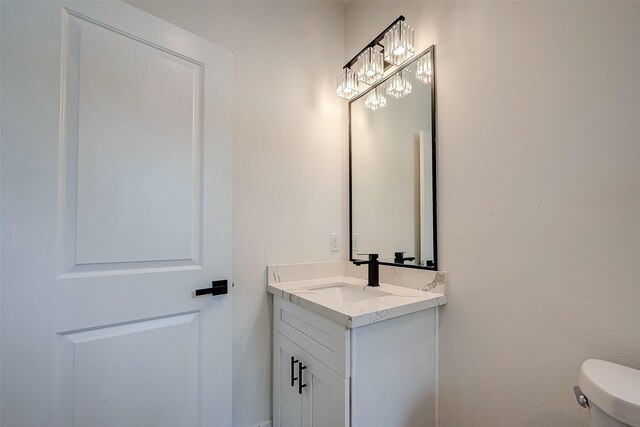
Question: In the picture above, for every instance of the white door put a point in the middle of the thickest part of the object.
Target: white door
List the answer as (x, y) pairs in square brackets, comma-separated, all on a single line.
[(116, 206)]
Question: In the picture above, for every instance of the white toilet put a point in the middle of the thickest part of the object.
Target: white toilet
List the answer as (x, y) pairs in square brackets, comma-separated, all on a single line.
[(611, 392)]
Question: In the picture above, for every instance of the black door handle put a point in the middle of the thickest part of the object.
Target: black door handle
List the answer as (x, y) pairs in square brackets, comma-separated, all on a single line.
[(218, 287), (300, 385), (293, 364)]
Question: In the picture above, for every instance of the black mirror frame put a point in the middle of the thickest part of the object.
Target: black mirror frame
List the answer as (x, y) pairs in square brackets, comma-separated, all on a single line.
[(433, 166)]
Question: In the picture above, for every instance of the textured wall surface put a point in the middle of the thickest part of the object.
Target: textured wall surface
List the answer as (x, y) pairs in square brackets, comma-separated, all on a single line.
[(539, 197), (289, 157)]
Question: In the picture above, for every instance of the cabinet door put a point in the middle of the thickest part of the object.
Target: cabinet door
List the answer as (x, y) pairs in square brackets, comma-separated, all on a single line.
[(287, 402), (325, 399)]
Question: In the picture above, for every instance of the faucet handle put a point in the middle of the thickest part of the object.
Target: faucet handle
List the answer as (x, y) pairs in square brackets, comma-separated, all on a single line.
[(399, 257), (373, 258)]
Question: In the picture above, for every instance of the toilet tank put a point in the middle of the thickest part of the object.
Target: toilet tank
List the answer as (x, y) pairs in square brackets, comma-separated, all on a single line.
[(614, 390)]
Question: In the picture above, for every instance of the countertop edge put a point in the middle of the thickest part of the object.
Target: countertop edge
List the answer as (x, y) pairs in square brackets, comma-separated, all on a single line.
[(352, 321)]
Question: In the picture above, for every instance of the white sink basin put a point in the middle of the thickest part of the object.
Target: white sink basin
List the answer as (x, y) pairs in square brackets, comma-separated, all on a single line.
[(344, 292)]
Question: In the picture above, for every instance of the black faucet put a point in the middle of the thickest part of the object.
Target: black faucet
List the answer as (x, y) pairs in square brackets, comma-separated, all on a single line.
[(400, 258), (373, 269)]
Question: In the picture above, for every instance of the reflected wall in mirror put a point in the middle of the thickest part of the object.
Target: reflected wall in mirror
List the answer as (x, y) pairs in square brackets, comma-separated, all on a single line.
[(392, 167)]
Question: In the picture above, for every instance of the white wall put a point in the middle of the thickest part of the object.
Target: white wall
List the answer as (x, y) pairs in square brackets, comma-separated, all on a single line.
[(539, 194), (289, 157), (539, 197)]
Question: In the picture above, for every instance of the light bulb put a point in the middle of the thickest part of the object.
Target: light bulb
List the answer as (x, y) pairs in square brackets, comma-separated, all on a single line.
[(399, 85), (398, 43), (370, 65), (347, 86), (424, 68), (375, 99)]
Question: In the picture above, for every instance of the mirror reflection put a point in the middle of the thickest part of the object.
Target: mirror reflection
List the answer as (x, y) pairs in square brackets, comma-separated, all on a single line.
[(393, 167)]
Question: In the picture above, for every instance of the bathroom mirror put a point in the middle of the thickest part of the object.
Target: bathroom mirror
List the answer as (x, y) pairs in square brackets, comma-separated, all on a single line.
[(392, 167)]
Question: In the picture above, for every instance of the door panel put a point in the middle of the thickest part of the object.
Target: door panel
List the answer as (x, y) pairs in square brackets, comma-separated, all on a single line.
[(133, 146), (99, 366), (116, 206), (286, 399), (325, 400)]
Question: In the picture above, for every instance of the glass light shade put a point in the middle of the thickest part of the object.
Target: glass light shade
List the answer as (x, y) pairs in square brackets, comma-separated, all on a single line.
[(370, 66), (424, 69), (375, 99), (398, 43), (347, 84), (399, 84)]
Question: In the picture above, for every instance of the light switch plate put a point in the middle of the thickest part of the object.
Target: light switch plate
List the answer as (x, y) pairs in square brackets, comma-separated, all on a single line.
[(354, 242), (334, 242)]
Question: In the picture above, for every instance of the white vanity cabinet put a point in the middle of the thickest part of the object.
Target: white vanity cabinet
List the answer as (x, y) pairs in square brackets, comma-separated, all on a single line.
[(382, 374), (312, 389), (308, 393)]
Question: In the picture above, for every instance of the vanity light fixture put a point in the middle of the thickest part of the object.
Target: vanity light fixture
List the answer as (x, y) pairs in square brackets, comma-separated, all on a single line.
[(399, 84), (347, 84), (370, 65), (375, 99), (424, 69), (398, 43)]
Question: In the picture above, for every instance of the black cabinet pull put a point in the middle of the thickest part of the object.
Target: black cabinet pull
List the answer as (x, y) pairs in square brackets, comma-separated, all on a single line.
[(293, 364), (300, 385)]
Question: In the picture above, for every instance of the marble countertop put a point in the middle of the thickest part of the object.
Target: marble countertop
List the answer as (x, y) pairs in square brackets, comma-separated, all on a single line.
[(398, 301)]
